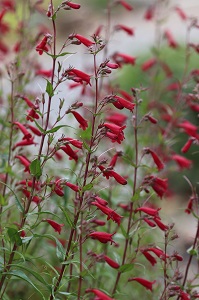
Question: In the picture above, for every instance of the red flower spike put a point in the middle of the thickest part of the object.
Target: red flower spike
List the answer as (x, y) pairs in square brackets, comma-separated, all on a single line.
[(172, 43), (146, 283), (127, 29), (126, 5), (24, 161), (72, 4), (99, 294), (102, 237), (56, 226), (149, 211), (149, 257), (182, 161), (82, 39), (26, 133), (111, 262), (181, 13), (148, 64), (73, 187), (69, 151), (83, 123), (160, 224)]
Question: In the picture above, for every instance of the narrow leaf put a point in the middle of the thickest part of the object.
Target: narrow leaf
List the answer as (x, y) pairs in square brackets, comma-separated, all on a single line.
[(87, 187), (68, 220), (35, 168), (49, 89), (126, 268)]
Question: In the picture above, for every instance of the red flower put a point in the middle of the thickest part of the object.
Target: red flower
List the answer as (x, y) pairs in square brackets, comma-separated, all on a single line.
[(115, 137), (99, 294), (189, 208), (148, 64), (56, 226), (150, 12), (24, 143), (189, 128), (114, 159), (149, 257), (73, 187), (34, 130), (117, 119), (187, 145), (112, 65), (72, 4), (101, 201), (159, 252), (26, 133), (172, 43), (111, 262), (82, 39), (113, 127), (152, 119), (35, 198), (24, 161), (159, 185), (109, 212), (76, 143), (149, 222), (111, 173), (181, 13), (83, 123), (102, 237), (69, 151), (148, 210), (98, 222), (42, 46), (126, 5), (128, 30), (81, 75), (146, 283), (121, 58), (156, 159), (183, 162), (45, 73), (160, 224), (123, 102), (32, 115)]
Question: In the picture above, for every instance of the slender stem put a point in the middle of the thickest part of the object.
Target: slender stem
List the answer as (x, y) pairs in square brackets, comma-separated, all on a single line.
[(133, 193)]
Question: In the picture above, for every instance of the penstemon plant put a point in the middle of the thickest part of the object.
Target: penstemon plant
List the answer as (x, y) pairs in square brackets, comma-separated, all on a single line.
[(82, 206)]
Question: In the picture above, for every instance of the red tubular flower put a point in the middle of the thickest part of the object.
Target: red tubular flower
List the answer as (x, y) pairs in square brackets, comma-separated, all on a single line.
[(146, 283), (160, 224), (35, 198), (187, 145), (156, 159), (159, 252), (24, 143), (189, 128), (181, 13), (45, 73), (126, 5), (56, 226), (111, 214), (152, 119), (114, 159), (73, 187), (150, 12), (76, 143), (125, 103), (34, 130), (189, 208), (26, 133), (148, 64), (149, 257), (111, 262), (83, 76), (83, 123), (32, 115), (102, 237), (184, 296), (82, 39), (3, 48), (114, 128), (42, 46), (115, 137), (112, 65), (72, 4), (182, 161), (127, 29), (172, 43), (121, 58), (98, 222), (111, 173), (149, 211), (117, 119), (101, 201), (24, 161), (159, 185), (149, 222), (69, 151), (99, 294)]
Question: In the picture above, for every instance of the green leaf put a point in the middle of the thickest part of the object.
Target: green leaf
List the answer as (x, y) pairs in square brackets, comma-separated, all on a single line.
[(126, 268), (59, 55), (18, 203), (38, 126), (86, 146), (49, 89), (123, 231), (23, 276), (68, 220), (2, 200), (54, 129), (87, 187), (35, 168), (14, 236)]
